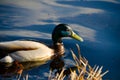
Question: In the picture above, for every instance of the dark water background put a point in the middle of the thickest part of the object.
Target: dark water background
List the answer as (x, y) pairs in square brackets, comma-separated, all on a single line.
[(98, 22)]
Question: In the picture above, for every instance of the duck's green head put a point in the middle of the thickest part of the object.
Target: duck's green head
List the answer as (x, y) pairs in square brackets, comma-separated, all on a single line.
[(64, 30)]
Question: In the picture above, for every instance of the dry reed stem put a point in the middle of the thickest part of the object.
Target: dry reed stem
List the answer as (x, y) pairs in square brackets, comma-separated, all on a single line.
[(84, 70)]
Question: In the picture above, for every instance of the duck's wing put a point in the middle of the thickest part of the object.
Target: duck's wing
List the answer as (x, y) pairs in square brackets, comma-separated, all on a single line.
[(12, 46), (19, 45)]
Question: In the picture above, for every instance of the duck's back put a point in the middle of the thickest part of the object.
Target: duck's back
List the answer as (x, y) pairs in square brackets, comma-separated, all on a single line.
[(20, 45)]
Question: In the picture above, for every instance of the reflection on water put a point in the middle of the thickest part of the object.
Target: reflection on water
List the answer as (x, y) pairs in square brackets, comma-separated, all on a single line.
[(11, 70), (97, 21), (17, 70), (58, 65)]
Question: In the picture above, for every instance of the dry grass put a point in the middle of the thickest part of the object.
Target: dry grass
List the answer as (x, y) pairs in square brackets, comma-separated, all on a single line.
[(84, 70)]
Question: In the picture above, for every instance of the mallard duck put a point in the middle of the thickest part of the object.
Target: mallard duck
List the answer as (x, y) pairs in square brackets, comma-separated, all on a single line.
[(25, 51)]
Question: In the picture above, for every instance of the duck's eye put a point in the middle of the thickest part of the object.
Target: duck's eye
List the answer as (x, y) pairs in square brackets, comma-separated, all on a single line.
[(67, 30)]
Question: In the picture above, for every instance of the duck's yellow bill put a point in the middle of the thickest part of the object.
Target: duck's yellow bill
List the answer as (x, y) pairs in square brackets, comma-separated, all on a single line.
[(75, 36)]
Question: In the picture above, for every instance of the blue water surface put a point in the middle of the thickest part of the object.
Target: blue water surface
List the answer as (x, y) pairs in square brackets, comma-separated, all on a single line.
[(98, 22)]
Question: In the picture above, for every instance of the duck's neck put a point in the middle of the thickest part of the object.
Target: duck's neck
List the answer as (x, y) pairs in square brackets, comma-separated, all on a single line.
[(59, 48), (58, 45)]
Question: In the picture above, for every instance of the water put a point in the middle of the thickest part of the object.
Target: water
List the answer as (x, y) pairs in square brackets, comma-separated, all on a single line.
[(96, 21)]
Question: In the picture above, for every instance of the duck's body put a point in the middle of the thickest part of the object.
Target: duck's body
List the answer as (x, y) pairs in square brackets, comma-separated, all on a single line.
[(24, 51)]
